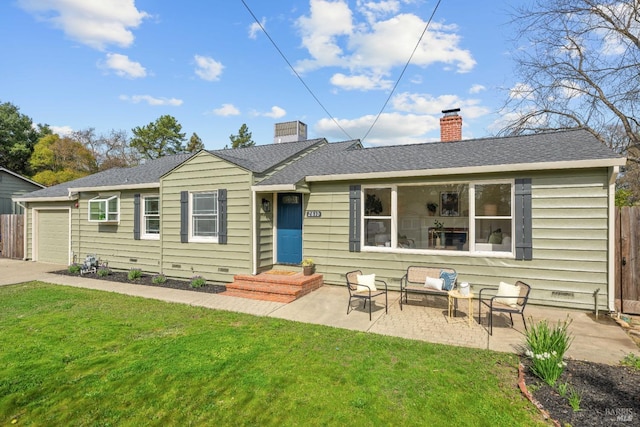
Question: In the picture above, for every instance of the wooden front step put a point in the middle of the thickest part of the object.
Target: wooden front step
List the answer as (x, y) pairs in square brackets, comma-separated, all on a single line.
[(273, 287)]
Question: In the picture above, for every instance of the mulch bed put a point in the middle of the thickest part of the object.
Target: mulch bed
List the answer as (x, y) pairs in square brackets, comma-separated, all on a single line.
[(610, 394), (146, 280)]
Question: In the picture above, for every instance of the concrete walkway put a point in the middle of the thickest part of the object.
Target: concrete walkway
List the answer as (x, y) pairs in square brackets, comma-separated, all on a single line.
[(424, 318)]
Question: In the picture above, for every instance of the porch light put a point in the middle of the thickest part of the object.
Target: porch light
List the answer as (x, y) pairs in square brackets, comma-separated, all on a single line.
[(266, 205)]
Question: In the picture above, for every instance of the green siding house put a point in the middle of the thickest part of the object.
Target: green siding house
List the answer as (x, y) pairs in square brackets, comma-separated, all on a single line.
[(536, 208), (14, 185)]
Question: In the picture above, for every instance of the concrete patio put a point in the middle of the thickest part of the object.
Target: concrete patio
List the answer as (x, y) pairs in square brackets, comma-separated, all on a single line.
[(424, 318)]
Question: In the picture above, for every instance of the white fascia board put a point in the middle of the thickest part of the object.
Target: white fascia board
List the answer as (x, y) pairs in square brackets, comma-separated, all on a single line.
[(273, 188), (46, 199), (116, 187), (579, 164)]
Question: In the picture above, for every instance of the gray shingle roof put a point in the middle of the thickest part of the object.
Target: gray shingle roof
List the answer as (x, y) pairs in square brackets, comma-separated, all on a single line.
[(147, 173), (261, 158), (350, 158), (561, 146), (327, 154)]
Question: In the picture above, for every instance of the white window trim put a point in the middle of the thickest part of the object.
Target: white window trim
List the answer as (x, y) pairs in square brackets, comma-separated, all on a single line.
[(472, 221), (144, 235), (203, 239), (105, 200)]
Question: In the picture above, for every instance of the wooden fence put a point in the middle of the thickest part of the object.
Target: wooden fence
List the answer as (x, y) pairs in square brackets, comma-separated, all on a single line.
[(627, 240), (12, 236)]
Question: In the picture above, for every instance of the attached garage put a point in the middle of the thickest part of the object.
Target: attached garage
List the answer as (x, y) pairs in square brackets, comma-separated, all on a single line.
[(52, 236)]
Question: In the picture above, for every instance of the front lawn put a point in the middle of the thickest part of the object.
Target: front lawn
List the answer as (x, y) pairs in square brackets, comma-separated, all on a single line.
[(81, 357)]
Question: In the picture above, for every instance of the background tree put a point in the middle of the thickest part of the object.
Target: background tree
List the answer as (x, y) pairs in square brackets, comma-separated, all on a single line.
[(57, 160), (17, 138), (159, 138), (110, 150), (579, 61), (242, 139), (195, 144)]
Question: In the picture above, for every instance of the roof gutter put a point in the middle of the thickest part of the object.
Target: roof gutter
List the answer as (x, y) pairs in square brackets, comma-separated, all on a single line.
[(46, 199), (518, 167), (117, 187), (274, 188)]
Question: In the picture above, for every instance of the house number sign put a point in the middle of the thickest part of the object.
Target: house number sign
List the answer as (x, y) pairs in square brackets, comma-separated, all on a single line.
[(314, 214)]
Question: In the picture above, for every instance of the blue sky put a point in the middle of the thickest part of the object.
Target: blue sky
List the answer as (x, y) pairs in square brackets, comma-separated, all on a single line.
[(118, 64)]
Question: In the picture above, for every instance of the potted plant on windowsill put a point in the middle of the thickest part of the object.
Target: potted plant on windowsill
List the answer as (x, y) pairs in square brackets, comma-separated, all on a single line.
[(308, 267)]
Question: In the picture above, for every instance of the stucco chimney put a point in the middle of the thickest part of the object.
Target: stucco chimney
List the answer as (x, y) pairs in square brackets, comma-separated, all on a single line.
[(451, 125)]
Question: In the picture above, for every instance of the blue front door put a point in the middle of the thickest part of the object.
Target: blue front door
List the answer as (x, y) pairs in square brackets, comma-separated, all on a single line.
[(289, 228)]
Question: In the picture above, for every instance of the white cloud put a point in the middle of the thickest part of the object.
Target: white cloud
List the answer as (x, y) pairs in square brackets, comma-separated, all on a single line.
[(276, 112), (521, 91), (62, 130), (123, 66), (333, 38), (374, 10), (477, 89), (360, 82), (226, 110), (208, 68), (327, 21), (95, 23), (390, 129), (255, 28), (570, 89), (150, 100), (427, 104)]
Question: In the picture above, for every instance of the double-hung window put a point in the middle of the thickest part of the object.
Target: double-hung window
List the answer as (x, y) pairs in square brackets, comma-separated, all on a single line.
[(104, 209), (203, 224), (150, 217)]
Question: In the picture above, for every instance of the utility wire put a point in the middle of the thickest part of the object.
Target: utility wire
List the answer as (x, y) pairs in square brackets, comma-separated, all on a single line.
[(293, 69), (403, 71)]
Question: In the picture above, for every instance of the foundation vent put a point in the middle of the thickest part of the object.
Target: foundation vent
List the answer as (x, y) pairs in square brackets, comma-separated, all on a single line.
[(563, 294)]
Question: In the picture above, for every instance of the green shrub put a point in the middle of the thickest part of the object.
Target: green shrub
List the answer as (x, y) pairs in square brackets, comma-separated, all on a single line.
[(135, 274), (158, 279), (574, 399), (104, 272), (546, 348), (198, 282), (631, 360), (74, 268)]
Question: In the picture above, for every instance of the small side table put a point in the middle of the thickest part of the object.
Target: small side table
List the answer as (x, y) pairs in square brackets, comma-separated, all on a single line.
[(456, 295)]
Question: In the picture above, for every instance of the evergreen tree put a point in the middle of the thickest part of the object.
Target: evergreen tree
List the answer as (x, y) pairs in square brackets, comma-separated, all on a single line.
[(159, 138), (242, 139)]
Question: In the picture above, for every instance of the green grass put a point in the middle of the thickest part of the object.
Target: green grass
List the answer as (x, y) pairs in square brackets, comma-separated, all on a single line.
[(81, 357)]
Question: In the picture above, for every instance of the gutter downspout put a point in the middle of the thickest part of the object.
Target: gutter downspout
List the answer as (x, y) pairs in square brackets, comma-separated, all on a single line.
[(254, 235), (24, 232), (611, 279)]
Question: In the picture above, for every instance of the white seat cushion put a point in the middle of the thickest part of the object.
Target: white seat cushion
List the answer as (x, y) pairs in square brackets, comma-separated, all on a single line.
[(507, 290), (369, 282)]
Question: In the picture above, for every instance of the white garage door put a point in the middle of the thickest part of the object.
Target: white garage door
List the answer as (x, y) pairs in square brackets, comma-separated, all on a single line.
[(53, 236)]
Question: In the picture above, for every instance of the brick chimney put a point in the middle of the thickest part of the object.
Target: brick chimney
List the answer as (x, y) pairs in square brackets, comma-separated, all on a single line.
[(450, 126)]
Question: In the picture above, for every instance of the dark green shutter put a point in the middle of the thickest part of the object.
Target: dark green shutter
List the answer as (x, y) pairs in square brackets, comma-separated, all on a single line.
[(136, 216), (523, 223), (222, 216), (354, 218), (184, 216)]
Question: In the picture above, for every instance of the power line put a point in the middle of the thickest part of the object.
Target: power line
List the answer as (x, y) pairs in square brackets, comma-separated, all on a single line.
[(403, 71), (293, 69)]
